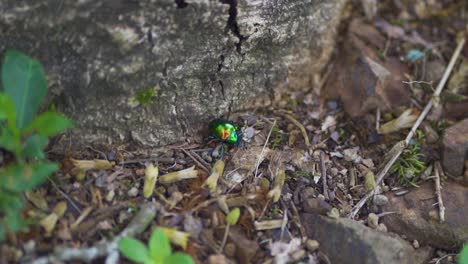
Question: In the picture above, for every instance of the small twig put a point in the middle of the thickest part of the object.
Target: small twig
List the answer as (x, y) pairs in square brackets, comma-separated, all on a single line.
[(300, 126), (323, 172), (285, 221), (196, 161), (377, 119), (110, 248), (264, 209), (410, 135), (263, 149), (158, 159), (98, 151), (419, 82), (446, 256), (439, 194), (224, 239), (70, 200)]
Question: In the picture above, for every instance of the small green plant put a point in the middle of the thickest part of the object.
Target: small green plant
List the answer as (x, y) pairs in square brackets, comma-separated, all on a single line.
[(146, 96), (158, 251), (277, 137), (305, 174), (23, 136), (463, 257), (408, 166)]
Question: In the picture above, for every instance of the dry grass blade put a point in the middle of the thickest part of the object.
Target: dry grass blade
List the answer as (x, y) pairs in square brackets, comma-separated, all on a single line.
[(176, 176), (260, 158), (301, 127), (440, 202)]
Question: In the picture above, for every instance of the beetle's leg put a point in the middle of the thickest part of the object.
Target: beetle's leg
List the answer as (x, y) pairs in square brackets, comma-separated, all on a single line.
[(209, 138), (240, 140), (221, 156)]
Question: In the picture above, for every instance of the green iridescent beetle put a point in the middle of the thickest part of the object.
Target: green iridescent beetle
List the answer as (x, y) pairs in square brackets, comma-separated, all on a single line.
[(225, 131)]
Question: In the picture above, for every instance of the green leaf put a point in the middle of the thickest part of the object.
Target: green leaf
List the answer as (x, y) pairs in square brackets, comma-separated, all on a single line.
[(179, 258), (34, 146), (7, 110), (159, 246), (9, 140), (20, 177), (49, 124), (2, 233), (24, 81), (14, 221), (233, 216), (134, 250), (463, 258)]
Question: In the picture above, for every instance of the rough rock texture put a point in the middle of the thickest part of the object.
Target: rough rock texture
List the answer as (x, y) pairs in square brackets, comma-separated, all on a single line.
[(201, 58), (361, 79), (417, 217), (347, 241), (455, 148)]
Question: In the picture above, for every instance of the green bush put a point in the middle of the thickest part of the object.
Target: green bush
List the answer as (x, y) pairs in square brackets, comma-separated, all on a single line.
[(23, 136), (158, 251), (463, 257)]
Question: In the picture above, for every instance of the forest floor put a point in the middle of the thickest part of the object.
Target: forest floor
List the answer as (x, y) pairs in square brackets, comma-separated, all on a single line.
[(322, 174)]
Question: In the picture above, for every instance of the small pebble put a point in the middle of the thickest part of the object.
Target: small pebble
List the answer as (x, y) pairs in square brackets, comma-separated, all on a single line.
[(133, 192), (334, 213), (230, 250), (368, 162), (382, 227), (298, 255), (415, 244), (110, 196), (380, 200), (373, 220), (334, 171), (217, 259), (312, 245), (29, 247)]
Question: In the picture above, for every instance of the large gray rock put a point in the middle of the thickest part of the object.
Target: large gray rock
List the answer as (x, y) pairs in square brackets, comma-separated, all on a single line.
[(346, 241), (201, 58), (455, 143), (417, 216)]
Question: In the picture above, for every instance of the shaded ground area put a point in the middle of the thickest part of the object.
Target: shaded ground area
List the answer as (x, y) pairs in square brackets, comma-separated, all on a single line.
[(308, 159)]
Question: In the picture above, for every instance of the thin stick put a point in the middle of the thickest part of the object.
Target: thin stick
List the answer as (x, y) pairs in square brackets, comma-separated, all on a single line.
[(70, 200), (408, 138), (301, 127), (439, 194), (224, 239), (377, 119), (141, 221), (263, 149), (323, 172), (158, 159), (196, 161)]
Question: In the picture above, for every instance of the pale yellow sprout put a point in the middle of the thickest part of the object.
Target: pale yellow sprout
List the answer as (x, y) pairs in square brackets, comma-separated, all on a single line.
[(151, 176), (178, 238), (275, 193), (405, 120), (49, 222), (81, 166), (92, 164), (216, 172), (268, 224), (176, 176)]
